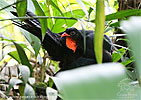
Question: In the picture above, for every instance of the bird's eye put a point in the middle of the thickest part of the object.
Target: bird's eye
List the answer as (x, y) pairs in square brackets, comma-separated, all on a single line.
[(72, 33)]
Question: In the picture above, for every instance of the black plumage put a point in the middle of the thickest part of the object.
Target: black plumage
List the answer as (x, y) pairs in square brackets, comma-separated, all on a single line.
[(57, 48)]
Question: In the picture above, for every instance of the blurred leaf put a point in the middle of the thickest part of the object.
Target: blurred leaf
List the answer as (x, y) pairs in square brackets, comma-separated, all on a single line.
[(55, 6), (122, 14), (21, 89), (25, 72), (83, 7), (40, 59), (31, 80), (69, 7), (118, 54), (13, 81), (130, 60), (108, 29), (51, 93), (21, 7), (84, 35), (43, 22), (116, 24), (61, 24), (23, 57), (99, 30), (29, 92), (14, 55), (33, 40), (132, 75), (3, 4), (35, 43), (48, 10), (132, 28), (92, 82)]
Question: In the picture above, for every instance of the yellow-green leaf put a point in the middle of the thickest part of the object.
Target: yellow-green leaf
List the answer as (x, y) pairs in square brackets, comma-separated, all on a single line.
[(43, 22)]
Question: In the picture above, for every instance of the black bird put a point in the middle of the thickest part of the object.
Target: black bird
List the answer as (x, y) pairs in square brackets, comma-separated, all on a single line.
[(68, 46)]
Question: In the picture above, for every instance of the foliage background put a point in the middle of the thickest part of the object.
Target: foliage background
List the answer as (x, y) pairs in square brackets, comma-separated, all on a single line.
[(43, 67)]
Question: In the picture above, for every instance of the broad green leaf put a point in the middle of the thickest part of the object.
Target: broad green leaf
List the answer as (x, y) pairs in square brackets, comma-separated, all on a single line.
[(23, 57), (61, 24), (132, 28), (29, 92), (21, 7), (101, 81), (99, 30), (14, 55), (13, 81), (24, 70), (43, 22), (83, 7)]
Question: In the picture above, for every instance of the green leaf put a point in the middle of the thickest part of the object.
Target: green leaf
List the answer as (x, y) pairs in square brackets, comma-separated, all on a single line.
[(23, 57), (122, 14), (25, 72), (99, 30), (50, 82), (21, 89), (61, 24), (35, 43), (90, 11), (132, 28), (118, 54), (116, 24), (55, 6), (83, 7), (43, 22), (92, 82), (21, 7), (33, 40), (29, 92), (130, 60), (13, 81), (14, 55)]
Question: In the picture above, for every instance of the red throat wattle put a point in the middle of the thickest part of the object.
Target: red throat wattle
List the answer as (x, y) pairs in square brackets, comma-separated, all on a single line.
[(71, 44)]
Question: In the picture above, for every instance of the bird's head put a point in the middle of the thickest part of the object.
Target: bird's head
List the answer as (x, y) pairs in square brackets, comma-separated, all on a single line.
[(72, 38)]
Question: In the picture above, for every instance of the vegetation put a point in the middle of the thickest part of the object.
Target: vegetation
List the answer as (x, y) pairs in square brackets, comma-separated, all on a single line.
[(27, 72)]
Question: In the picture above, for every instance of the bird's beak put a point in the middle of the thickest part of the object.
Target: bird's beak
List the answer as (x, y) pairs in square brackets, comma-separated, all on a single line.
[(64, 35)]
